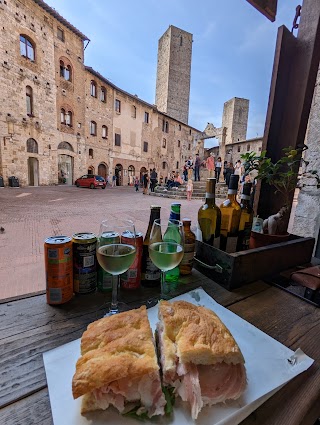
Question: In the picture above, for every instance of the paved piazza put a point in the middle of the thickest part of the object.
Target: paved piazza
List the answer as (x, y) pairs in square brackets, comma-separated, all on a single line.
[(29, 215)]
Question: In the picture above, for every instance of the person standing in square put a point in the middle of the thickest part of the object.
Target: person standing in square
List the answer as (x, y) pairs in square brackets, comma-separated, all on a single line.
[(197, 164)]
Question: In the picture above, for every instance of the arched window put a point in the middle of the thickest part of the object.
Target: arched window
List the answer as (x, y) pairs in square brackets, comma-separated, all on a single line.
[(91, 153), (65, 71), (133, 111), (131, 170), (29, 100), (104, 131), (26, 48), (65, 145), (164, 143), (93, 88), (178, 143), (93, 128), (61, 69), (164, 165), (62, 116), (103, 94), (32, 146), (69, 118)]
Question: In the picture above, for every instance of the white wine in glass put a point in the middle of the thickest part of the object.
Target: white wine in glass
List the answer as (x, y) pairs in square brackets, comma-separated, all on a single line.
[(116, 256), (166, 249)]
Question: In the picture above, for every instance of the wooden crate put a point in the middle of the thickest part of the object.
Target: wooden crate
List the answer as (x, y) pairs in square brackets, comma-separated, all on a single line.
[(237, 269)]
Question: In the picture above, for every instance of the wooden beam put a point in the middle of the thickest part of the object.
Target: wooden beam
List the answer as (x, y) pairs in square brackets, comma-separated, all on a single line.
[(267, 7), (293, 81)]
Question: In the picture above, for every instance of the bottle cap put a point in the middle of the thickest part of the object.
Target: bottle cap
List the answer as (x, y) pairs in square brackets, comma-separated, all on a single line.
[(247, 189), (154, 207), (234, 181), (186, 220)]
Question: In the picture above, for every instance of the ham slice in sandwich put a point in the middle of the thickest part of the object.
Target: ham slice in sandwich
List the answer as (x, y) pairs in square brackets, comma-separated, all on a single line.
[(199, 357), (118, 366)]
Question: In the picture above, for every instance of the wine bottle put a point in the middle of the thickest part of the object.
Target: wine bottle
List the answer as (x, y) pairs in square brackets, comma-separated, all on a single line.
[(186, 264), (150, 274), (230, 217), (172, 233), (209, 216), (246, 218)]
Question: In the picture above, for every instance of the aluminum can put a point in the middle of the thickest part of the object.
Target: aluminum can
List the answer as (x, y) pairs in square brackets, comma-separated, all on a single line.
[(132, 277), (84, 263), (105, 278), (59, 269)]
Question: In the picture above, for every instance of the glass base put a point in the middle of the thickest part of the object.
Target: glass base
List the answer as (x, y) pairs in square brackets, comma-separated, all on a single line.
[(109, 311)]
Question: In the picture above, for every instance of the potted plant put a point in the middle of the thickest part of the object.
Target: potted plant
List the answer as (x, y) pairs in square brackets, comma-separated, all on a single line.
[(283, 176)]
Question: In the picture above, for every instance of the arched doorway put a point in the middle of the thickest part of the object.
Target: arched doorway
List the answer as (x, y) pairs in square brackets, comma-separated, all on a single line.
[(65, 164), (33, 171), (91, 170), (131, 174), (103, 170), (165, 169), (119, 174), (142, 171)]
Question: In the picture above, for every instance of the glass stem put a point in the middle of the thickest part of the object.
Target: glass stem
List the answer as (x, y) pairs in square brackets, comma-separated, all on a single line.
[(164, 289), (114, 297)]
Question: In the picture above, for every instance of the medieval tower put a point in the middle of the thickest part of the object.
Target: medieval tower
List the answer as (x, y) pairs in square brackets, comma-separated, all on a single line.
[(235, 119), (173, 73)]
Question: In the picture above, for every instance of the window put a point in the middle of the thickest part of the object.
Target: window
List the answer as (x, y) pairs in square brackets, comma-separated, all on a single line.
[(93, 128), (164, 165), (93, 89), (65, 145), (104, 131), (103, 94), (29, 100), (117, 106), (145, 146), (32, 146), (91, 153), (164, 143), (177, 167), (189, 147), (65, 71), (26, 48), (146, 117), (62, 116), (179, 143), (181, 40), (260, 148), (133, 112), (117, 139), (248, 148), (60, 34), (190, 131), (239, 148), (165, 126), (69, 118), (179, 127)]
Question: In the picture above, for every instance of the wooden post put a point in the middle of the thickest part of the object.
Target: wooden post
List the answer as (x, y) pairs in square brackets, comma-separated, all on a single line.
[(293, 80)]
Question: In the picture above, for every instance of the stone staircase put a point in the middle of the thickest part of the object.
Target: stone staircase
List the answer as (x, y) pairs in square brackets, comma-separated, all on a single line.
[(199, 190)]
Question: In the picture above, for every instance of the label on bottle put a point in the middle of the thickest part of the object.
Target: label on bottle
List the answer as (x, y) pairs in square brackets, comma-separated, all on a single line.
[(151, 272), (245, 197), (188, 254), (226, 221)]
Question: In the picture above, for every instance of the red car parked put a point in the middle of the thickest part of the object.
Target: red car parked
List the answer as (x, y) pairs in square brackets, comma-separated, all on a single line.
[(91, 180)]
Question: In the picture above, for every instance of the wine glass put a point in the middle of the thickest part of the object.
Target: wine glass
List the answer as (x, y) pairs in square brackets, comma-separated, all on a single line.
[(116, 250), (166, 249)]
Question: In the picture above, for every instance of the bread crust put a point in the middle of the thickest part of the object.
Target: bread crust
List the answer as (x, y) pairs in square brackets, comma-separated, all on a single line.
[(196, 334), (120, 346)]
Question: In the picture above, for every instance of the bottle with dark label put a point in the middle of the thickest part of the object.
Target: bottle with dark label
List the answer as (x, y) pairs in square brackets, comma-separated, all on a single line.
[(230, 217), (172, 233), (246, 218), (186, 264), (209, 216), (150, 274)]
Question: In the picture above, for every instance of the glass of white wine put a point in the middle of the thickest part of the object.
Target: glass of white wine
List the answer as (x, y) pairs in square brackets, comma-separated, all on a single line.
[(166, 249), (116, 250)]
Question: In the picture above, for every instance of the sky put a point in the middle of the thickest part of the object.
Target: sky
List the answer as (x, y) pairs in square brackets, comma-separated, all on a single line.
[(232, 53)]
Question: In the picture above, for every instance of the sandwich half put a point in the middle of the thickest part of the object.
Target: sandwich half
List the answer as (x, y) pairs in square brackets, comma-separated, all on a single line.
[(118, 366), (199, 357)]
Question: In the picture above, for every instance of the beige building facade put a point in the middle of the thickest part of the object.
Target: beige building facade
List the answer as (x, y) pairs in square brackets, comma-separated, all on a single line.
[(60, 119)]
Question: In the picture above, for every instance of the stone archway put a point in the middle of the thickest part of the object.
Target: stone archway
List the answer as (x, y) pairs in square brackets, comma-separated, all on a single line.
[(103, 170), (33, 171), (131, 174), (142, 171), (119, 174)]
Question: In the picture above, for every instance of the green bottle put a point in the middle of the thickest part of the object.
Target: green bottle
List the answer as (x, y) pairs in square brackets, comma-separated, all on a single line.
[(172, 233)]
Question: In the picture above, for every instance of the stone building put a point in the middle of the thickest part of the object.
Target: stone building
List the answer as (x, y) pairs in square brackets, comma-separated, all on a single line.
[(174, 73), (60, 119)]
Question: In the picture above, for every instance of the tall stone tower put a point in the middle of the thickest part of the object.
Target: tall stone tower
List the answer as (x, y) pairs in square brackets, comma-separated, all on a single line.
[(235, 119), (173, 73)]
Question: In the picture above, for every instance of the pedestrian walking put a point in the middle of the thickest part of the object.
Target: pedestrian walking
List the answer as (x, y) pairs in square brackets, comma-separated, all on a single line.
[(145, 181), (114, 180), (229, 171), (153, 179), (218, 168), (136, 184), (190, 167), (197, 164), (189, 189), (210, 164)]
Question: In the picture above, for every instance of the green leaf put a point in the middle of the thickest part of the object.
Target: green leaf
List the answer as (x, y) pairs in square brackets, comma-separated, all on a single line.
[(170, 399)]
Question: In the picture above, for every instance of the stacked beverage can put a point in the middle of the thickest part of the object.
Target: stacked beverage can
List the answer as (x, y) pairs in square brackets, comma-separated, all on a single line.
[(132, 277), (105, 278), (58, 265), (84, 263)]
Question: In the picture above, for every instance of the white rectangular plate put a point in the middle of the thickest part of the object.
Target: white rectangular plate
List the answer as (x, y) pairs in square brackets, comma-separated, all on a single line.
[(268, 369)]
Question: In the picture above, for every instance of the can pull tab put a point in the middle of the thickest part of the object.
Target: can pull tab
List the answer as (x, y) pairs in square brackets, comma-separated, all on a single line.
[(216, 267)]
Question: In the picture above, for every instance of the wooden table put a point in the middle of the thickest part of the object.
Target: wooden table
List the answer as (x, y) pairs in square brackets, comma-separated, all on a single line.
[(30, 327)]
